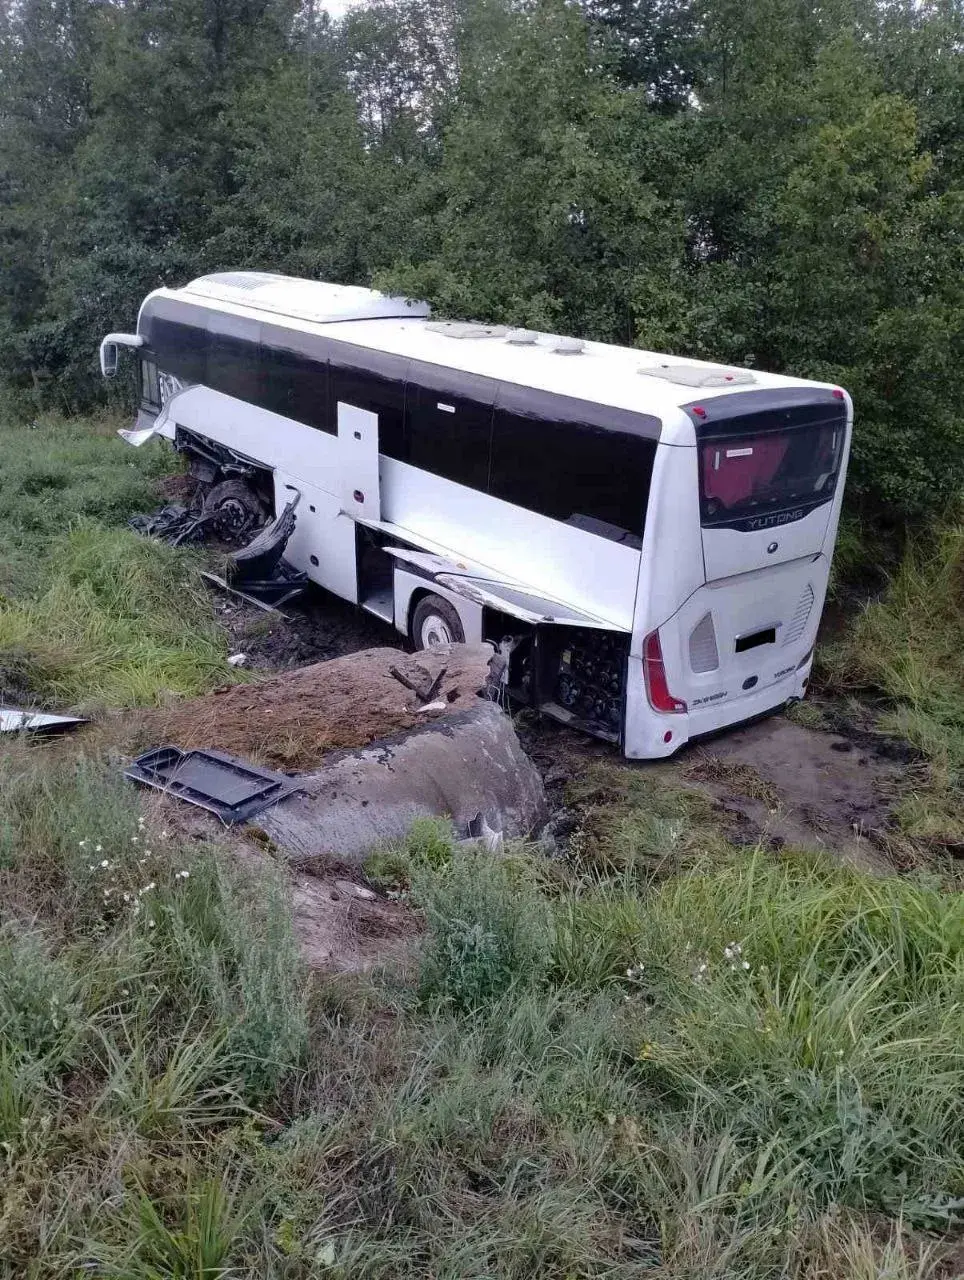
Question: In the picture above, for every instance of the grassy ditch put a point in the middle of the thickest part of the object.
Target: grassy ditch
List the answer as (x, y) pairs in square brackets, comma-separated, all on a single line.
[(906, 649), (661, 1056), (91, 615), (753, 1070)]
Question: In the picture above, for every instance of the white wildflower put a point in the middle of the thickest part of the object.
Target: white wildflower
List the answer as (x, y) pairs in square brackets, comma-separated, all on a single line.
[(105, 864), (98, 848)]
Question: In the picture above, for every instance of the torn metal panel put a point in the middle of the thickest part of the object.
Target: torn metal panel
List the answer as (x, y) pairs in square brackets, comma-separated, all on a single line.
[(259, 559), (233, 789), (520, 603), (16, 719), (427, 561), (503, 594)]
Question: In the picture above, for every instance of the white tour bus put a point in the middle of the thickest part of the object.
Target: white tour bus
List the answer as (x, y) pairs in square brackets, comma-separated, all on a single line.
[(647, 539)]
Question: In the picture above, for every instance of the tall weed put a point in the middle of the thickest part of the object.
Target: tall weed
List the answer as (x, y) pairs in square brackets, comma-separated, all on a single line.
[(908, 646), (487, 932)]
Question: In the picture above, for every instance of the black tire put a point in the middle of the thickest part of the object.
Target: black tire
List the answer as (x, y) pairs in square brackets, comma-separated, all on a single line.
[(448, 624), (235, 510)]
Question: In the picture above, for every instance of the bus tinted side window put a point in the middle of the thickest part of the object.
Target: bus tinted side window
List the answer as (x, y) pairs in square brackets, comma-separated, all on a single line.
[(150, 388), (294, 377), (233, 364), (449, 425), (181, 348), (593, 478), (372, 380)]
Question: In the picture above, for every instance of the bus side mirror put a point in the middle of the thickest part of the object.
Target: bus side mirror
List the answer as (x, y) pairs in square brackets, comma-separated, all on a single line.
[(108, 359), (109, 352)]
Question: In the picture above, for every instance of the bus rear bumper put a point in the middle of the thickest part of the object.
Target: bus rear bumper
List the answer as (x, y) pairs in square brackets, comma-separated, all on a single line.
[(650, 735)]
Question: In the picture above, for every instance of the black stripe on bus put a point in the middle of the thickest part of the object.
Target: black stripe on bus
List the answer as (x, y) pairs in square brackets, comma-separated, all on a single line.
[(574, 460)]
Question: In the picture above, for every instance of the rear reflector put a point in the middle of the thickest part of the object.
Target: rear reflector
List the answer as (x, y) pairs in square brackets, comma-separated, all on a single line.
[(657, 690)]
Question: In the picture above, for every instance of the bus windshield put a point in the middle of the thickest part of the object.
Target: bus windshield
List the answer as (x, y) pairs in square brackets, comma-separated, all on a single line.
[(742, 476)]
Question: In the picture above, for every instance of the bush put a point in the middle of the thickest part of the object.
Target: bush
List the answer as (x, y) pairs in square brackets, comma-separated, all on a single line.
[(487, 935)]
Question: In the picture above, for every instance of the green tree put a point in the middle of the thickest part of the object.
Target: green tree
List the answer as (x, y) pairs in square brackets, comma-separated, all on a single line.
[(543, 210)]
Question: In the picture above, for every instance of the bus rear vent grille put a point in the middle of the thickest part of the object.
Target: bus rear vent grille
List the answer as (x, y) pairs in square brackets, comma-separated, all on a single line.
[(797, 624), (704, 655)]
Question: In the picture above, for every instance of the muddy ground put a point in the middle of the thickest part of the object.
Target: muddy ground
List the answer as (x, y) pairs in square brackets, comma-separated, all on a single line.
[(775, 781)]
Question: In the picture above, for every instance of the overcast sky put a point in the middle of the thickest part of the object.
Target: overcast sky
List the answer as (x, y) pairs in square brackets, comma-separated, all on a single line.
[(337, 7)]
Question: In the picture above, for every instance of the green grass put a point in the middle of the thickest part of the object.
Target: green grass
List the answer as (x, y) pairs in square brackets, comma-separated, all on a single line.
[(56, 470), (907, 648), (655, 1056), (179, 1098), (93, 616)]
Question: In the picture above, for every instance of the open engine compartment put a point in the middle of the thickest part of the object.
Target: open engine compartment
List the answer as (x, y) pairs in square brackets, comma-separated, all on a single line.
[(575, 674)]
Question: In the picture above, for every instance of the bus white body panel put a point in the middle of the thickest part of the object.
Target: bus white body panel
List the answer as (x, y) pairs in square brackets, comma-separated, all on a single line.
[(512, 545), (694, 610)]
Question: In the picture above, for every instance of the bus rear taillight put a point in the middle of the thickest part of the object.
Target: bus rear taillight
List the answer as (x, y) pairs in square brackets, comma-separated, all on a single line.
[(657, 690)]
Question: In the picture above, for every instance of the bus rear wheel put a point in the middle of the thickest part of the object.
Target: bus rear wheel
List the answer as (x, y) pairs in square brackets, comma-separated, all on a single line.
[(436, 622)]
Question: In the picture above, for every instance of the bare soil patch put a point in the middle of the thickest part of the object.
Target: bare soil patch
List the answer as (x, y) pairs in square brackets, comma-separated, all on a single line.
[(316, 628), (800, 786), (342, 924)]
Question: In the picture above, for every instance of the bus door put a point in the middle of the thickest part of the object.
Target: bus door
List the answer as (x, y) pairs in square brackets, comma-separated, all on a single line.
[(358, 479)]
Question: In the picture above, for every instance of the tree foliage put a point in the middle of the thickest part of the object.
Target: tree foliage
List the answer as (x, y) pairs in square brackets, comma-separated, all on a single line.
[(769, 182)]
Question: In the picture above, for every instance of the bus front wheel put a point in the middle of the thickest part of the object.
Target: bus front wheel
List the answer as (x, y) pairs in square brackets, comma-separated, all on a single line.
[(436, 622)]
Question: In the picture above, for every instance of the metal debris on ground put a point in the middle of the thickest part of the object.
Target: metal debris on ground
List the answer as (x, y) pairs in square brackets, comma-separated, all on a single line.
[(232, 789), (173, 524), (257, 572), (17, 720), (285, 584)]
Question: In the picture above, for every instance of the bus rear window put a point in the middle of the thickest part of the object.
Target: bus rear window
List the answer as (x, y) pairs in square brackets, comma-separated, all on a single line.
[(742, 476)]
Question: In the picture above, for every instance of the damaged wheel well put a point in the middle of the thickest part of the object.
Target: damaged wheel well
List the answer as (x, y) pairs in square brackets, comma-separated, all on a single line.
[(211, 463)]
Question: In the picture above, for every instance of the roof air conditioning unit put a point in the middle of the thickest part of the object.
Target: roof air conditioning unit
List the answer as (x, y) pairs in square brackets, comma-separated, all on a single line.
[(567, 346)]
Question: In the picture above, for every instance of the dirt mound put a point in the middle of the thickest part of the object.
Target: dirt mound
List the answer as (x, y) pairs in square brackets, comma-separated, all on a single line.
[(291, 720)]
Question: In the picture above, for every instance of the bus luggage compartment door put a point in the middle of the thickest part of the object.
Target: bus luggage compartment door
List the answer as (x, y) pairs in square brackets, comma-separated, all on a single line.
[(358, 463)]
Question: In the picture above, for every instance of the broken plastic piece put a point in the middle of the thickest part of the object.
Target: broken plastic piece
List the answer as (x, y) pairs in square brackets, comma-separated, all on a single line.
[(16, 719), (235, 790), (137, 438), (262, 555)]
